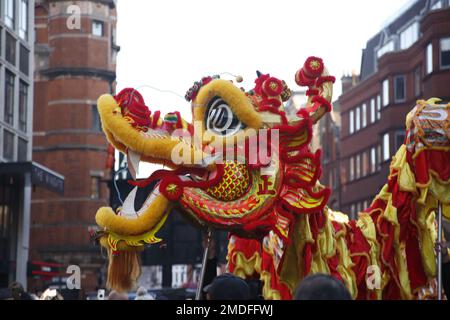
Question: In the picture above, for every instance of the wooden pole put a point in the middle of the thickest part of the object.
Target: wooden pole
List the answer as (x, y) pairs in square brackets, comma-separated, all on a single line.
[(198, 294), (439, 258)]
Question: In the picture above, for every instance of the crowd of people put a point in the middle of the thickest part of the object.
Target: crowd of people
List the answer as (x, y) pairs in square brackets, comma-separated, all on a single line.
[(227, 286)]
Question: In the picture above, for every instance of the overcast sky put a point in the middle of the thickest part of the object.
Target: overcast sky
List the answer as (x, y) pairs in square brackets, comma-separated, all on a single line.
[(170, 44)]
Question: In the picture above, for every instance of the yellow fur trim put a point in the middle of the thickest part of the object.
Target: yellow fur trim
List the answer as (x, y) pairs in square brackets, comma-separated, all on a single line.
[(108, 219), (367, 227), (136, 241), (121, 134), (267, 291), (233, 96)]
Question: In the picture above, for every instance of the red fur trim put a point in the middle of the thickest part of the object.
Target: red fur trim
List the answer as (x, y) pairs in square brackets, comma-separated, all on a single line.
[(276, 111), (322, 80), (320, 101), (325, 193), (293, 179), (302, 80), (155, 119), (312, 92)]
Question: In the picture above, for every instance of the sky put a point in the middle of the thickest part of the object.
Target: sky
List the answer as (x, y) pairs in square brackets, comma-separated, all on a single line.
[(169, 44)]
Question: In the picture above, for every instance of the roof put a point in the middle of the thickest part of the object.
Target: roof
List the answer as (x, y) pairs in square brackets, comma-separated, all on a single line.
[(369, 60)]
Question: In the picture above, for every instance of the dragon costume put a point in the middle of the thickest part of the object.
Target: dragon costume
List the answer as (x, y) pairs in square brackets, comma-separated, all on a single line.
[(268, 196)]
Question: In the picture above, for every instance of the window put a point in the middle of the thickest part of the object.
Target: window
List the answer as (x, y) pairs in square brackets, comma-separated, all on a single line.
[(24, 60), (373, 160), (351, 122), (409, 36), (9, 98), (386, 151), (22, 150), (364, 115), (417, 81), (97, 28), (95, 187), (429, 58), (113, 36), (23, 106), (378, 107), (96, 124), (399, 138), (10, 53), (365, 164), (445, 53), (388, 47), (8, 145), (358, 119), (358, 166), (372, 111), (399, 89), (9, 13), (352, 210), (437, 5), (378, 156), (352, 169), (385, 92), (23, 19)]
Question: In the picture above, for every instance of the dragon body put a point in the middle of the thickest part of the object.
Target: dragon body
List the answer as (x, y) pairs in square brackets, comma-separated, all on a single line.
[(267, 194)]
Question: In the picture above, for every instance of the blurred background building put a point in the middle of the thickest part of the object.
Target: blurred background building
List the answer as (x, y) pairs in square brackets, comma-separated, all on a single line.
[(408, 59), (18, 174), (75, 62)]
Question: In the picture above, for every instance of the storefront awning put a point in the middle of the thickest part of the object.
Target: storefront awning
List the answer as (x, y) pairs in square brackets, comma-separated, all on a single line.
[(40, 175)]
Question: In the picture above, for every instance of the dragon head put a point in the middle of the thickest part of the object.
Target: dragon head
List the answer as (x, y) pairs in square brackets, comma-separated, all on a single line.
[(242, 164)]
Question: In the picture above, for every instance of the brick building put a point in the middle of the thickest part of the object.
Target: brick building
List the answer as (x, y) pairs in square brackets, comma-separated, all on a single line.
[(408, 60), (75, 62)]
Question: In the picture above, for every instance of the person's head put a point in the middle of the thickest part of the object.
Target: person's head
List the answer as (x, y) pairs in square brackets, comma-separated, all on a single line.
[(321, 287), (16, 290), (51, 294), (141, 291), (114, 295), (227, 287)]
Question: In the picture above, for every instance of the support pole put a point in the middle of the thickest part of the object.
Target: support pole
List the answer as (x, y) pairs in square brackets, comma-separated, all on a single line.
[(198, 294), (439, 258)]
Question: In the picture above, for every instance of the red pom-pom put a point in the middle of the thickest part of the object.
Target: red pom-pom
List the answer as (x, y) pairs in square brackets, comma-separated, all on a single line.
[(313, 67), (171, 188), (272, 87)]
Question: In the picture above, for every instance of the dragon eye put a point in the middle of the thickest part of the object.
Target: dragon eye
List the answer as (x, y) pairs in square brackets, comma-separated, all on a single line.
[(220, 119)]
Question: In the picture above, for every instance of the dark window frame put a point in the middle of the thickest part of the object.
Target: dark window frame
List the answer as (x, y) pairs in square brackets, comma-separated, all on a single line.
[(102, 28), (447, 52), (417, 80), (23, 106), (8, 154), (396, 79), (10, 50), (8, 113)]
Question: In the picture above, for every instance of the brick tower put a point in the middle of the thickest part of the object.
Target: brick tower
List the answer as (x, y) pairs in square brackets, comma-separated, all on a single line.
[(75, 59)]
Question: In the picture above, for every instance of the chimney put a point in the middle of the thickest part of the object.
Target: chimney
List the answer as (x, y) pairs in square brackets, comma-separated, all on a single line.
[(347, 83)]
